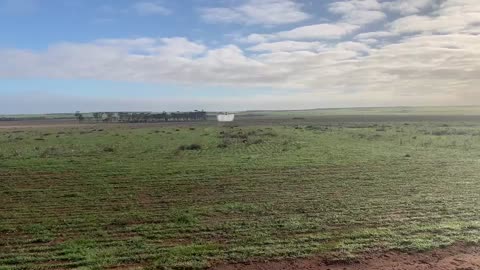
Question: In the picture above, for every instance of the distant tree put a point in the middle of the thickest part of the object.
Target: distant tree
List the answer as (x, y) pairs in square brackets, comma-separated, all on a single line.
[(79, 116), (110, 116), (174, 116), (203, 115), (136, 117), (156, 117), (130, 117), (144, 117), (97, 116), (124, 117)]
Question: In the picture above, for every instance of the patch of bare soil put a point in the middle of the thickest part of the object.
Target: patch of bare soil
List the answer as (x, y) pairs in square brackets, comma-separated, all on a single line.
[(458, 257), (48, 123), (127, 267)]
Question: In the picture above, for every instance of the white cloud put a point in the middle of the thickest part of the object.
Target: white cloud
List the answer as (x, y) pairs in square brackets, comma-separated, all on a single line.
[(150, 8), (434, 24), (264, 12), (318, 31), (379, 34), (287, 46), (323, 31), (374, 37), (451, 16), (354, 14), (177, 46), (406, 7), (358, 12), (350, 6), (253, 38), (441, 67), (364, 17), (354, 46)]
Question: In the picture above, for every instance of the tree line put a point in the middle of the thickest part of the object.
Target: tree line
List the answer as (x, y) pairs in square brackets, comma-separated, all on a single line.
[(144, 117)]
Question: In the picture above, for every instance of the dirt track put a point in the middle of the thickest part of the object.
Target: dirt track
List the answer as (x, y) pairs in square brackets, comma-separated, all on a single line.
[(452, 258)]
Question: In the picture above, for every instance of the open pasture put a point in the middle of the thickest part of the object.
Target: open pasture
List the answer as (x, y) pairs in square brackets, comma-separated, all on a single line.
[(183, 196)]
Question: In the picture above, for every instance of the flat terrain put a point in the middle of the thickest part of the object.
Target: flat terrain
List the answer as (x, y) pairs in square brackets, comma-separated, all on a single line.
[(316, 192), (371, 111)]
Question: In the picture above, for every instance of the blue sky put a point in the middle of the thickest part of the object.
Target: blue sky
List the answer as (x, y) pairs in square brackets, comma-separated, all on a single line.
[(160, 55), (37, 25)]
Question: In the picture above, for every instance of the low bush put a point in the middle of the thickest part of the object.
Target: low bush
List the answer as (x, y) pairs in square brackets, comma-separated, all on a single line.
[(257, 141), (222, 145), (108, 149), (190, 147)]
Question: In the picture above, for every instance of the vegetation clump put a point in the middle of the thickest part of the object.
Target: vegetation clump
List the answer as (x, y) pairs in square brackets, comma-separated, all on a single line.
[(222, 145), (190, 147), (183, 217), (246, 137), (108, 149)]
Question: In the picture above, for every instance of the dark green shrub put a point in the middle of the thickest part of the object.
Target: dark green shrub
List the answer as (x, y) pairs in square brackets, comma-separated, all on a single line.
[(108, 149), (222, 145), (190, 147), (257, 141)]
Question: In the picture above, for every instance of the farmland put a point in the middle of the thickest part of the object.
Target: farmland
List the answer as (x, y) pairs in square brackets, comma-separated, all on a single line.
[(195, 195)]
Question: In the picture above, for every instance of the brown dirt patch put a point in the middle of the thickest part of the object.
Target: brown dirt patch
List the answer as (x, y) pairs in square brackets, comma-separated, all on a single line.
[(126, 267), (47, 123), (458, 257), (145, 199)]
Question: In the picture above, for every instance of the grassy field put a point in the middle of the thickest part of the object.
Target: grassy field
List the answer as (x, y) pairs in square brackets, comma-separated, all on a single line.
[(190, 196)]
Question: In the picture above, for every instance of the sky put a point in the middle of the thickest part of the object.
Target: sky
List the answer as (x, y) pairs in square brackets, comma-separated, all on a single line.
[(230, 55)]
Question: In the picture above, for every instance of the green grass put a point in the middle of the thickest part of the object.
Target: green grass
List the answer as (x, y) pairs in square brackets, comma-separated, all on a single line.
[(111, 196)]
